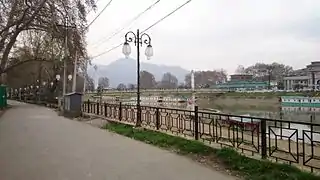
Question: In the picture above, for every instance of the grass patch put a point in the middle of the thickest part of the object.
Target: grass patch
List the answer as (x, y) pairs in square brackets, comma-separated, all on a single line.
[(249, 169)]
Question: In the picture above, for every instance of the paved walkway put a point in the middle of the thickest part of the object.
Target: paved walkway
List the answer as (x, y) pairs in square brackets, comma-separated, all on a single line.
[(36, 144)]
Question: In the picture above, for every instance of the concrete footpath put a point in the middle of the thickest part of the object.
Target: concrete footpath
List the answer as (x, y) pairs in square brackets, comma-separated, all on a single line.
[(36, 144)]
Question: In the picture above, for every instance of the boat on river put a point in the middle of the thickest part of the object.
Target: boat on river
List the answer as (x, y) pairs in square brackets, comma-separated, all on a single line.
[(300, 101), (245, 121)]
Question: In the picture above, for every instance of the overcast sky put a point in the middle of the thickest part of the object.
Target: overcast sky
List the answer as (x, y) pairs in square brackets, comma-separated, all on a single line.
[(213, 34)]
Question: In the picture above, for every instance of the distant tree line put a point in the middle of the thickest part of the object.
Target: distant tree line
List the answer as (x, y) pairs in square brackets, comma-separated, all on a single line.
[(205, 79)]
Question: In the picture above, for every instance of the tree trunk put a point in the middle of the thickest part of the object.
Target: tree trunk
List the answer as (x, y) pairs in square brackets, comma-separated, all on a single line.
[(7, 50)]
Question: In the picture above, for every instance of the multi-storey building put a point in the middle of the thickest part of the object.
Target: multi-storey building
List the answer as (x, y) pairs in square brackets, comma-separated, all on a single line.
[(307, 78)]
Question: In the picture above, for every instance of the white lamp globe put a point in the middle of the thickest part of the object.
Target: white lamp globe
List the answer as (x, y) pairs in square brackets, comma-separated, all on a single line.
[(126, 49), (149, 52), (58, 77)]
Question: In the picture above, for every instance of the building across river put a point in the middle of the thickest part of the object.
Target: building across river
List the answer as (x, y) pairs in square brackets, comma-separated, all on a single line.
[(243, 82), (307, 78)]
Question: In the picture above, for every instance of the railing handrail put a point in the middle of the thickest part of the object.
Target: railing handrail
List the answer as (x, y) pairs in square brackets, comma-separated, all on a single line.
[(219, 114)]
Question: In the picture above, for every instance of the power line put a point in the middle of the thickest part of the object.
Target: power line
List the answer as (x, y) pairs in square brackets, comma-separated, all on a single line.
[(172, 12), (128, 24), (105, 7), (105, 52), (157, 22)]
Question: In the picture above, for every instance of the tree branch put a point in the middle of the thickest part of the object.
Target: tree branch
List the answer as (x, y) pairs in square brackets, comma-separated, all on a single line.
[(17, 22), (23, 62), (8, 48)]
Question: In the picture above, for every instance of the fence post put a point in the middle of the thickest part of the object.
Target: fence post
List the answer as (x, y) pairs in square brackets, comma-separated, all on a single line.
[(83, 105), (157, 118), (88, 106), (98, 108), (196, 123), (105, 110), (263, 125), (120, 111)]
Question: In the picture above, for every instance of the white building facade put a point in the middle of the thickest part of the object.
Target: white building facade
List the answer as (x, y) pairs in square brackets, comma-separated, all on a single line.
[(291, 82), (309, 80)]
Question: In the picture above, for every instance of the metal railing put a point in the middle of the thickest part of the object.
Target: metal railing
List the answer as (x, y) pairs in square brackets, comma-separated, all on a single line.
[(34, 99), (159, 90), (296, 143)]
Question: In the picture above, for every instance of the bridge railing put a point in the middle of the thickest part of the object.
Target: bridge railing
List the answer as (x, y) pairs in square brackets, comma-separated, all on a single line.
[(292, 142)]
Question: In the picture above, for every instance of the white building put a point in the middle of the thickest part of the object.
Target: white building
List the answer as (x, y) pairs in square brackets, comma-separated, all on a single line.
[(291, 82), (308, 79)]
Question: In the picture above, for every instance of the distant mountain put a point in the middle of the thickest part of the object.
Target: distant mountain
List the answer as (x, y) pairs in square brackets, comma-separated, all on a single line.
[(124, 71)]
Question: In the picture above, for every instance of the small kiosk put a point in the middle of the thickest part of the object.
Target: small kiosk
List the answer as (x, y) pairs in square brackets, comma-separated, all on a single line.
[(72, 105)]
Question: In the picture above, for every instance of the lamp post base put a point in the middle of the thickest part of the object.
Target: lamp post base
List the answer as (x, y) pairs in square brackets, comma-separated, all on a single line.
[(60, 107)]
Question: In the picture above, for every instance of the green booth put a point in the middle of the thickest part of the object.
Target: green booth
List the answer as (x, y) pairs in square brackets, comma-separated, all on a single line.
[(3, 96)]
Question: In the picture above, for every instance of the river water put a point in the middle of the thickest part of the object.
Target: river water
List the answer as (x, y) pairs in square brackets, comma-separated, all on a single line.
[(295, 114)]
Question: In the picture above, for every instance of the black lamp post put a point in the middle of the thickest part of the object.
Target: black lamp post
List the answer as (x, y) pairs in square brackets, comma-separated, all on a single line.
[(59, 94), (138, 40)]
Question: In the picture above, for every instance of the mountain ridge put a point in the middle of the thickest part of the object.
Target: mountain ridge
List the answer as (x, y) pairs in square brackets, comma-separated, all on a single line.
[(124, 71)]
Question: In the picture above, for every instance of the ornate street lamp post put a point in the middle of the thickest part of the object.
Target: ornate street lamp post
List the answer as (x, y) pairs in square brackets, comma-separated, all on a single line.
[(138, 40), (43, 91), (31, 93), (58, 91), (20, 94), (69, 79)]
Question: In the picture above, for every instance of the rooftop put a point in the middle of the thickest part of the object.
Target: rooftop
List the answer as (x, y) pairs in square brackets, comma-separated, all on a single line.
[(296, 78)]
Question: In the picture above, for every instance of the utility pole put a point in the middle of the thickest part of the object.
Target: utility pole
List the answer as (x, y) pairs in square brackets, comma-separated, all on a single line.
[(65, 59), (193, 91), (85, 76), (75, 67), (61, 99)]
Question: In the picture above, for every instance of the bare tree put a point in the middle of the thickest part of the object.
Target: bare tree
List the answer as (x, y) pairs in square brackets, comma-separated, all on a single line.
[(18, 17), (147, 80), (103, 82), (121, 86), (206, 78), (37, 57), (90, 84), (169, 81), (240, 70), (265, 72), (131, 86)]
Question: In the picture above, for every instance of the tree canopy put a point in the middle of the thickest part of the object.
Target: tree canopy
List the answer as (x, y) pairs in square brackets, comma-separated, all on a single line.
[(169, 81), (206, 78), (147, 80), (261, 71), (103, 82), (36, 30)]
